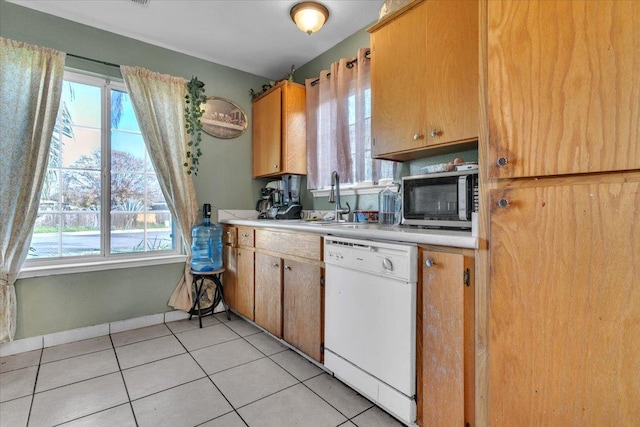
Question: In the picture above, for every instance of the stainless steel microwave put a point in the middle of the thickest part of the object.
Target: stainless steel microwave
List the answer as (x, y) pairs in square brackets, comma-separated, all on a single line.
[(440, 200)]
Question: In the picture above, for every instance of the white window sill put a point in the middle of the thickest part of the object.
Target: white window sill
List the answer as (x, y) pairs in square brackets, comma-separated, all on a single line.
[(57, 267), (354, 190)]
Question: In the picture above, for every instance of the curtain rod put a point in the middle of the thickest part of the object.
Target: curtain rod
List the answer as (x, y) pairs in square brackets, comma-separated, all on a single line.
[(110, 64), (367, 55)]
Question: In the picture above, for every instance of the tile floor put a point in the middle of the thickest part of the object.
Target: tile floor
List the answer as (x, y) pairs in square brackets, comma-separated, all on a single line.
[(227, 374)]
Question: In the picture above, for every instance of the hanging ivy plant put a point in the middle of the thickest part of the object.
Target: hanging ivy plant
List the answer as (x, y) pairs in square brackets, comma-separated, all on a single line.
[(192, 113)]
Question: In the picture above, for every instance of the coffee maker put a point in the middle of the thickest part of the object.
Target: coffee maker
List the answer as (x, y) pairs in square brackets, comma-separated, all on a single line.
[(290, 207), (270, 200)]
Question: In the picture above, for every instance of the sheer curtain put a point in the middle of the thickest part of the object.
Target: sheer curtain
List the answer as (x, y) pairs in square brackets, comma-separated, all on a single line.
[(158, 102), (339, 124), (30, 89)]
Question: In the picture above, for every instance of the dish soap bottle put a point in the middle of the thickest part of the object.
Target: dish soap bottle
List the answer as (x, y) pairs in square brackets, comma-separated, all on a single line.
[(206, 248), (389, 205)]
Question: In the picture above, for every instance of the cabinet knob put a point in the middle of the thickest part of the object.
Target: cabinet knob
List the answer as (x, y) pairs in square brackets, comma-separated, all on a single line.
[(286, 267), (417, 136), (275, 166), (502, 161), (429, 262), (276, 265), (434, 133), (503, 203)]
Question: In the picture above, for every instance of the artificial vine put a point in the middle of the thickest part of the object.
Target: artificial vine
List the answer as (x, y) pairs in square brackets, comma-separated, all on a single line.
[(193, 112)]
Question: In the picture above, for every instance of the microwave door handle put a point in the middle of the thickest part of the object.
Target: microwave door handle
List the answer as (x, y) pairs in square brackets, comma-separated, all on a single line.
[(462, 198)]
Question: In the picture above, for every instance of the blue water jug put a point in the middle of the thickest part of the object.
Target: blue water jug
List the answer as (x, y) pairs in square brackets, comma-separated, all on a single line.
[(206, 248)]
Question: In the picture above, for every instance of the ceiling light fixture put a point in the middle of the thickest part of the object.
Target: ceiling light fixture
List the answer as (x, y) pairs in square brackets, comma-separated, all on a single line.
[(309, 16)]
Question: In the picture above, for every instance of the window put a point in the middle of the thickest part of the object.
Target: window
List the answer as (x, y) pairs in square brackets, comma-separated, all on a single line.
[(339, 128), (98, 159), (361, 153)]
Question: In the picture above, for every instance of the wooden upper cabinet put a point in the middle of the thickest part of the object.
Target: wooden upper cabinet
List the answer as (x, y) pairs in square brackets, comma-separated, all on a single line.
[(279, 131), (564, 85), (424, 78), (398, 85)]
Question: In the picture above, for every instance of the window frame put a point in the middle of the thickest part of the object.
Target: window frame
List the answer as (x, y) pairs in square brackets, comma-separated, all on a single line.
[(35, 267)]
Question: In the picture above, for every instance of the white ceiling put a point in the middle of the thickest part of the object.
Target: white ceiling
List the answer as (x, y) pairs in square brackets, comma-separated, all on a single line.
[(256, 36)]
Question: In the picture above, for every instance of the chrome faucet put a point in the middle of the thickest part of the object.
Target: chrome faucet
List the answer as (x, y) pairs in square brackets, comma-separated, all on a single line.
[(334, 197)]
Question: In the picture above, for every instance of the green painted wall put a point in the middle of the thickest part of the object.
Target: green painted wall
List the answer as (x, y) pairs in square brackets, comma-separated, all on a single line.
[(56, 303)]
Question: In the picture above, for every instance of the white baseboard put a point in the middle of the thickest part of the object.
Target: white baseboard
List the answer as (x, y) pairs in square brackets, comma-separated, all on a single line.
[(71, 335)]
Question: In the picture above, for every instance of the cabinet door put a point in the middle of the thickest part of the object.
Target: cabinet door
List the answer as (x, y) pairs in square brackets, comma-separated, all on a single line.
[(294, 129), (398, 63), (303, 307), (446, 383), (564, 304), (268, 293), (230, 276), (245, 283), (229, 258), (451, 75), (564, 84), (267, 134)]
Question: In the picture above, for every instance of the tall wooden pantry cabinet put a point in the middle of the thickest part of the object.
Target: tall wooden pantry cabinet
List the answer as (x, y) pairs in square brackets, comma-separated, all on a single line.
[(562, 88)]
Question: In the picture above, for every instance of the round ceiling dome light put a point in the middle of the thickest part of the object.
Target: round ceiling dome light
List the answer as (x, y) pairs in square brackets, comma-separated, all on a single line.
[(309, 16)]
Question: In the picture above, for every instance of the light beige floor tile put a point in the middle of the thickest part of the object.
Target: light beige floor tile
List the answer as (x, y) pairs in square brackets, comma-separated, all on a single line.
[(15, 413), (296, 365), (77, 400), (141, 334), (75, 369), (249, 382), (187, 325), (295, 406), (18, 383), (226, 355), (266, 343), (78, 348), (376, 417), (19, 361), (342, 397), (222, 317), (148, 351), (347, 424), (158, 376), (231, 419), (205, 337), (120, 416), (183, 406), (242, 327)]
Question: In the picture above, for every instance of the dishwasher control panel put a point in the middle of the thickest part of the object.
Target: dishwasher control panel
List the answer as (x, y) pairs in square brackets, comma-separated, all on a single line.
[(395, 260)]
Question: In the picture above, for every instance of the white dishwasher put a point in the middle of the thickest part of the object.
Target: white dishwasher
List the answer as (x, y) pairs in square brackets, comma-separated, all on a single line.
[(370, 320)]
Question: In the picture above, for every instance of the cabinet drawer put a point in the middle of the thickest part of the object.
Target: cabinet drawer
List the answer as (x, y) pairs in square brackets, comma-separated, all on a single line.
[(245, 236), (297, 244)]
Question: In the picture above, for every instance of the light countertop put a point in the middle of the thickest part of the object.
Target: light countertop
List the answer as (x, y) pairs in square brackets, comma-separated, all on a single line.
[(373, 231)]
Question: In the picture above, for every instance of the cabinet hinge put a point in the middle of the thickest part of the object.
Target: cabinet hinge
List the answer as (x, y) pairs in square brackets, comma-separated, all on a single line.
[(322, 348), (322, 282), (466, 277)]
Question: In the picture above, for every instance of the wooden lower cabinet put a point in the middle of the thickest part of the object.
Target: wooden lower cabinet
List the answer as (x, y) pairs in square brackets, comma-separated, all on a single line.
[(303, 310), (445, 344), (564, 307), (230, 275), (244, 295), (238, 278), (268, 293)]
